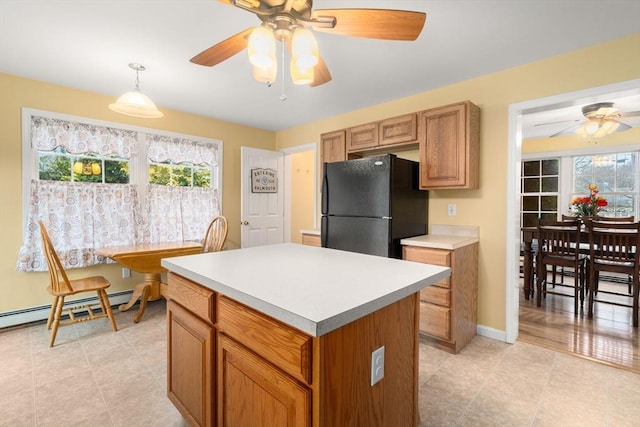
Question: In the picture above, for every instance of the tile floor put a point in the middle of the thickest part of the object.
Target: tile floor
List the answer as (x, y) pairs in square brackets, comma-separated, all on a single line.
[(94, 377)]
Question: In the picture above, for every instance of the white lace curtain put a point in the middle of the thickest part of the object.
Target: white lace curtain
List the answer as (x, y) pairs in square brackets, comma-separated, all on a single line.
[(179, 213), (48, 133), (79, 217)]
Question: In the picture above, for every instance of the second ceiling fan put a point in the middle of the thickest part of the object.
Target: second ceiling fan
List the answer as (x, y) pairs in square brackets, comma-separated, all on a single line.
[(286, 21)]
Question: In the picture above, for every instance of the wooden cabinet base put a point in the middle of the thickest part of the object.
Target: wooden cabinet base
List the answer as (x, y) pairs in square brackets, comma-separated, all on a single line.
[(261, 372)]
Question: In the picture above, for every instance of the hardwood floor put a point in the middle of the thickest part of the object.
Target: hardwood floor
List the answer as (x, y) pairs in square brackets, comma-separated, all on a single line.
[(608, 337)]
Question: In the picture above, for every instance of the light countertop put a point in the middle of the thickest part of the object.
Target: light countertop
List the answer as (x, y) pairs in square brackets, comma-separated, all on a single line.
[(445, 237), (312, 289), (315, 231)]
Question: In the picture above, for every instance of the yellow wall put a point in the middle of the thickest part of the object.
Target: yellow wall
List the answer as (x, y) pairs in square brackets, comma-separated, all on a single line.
[(21, 290), (598, 65), (576, 142), (303, 170)]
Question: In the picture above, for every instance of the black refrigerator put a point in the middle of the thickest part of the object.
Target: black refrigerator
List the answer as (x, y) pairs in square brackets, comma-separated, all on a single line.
[(369, 204)]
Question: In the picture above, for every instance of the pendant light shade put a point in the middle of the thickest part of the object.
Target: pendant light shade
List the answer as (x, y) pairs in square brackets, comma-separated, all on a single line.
[(301, 76), (262, 47), (135, 103), (304, 49), (597, 128)]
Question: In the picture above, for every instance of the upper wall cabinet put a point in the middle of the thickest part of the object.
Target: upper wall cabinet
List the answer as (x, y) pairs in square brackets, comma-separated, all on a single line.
[(399, 130), (450, 147), (333, 147), (363, 137), (383, 135)]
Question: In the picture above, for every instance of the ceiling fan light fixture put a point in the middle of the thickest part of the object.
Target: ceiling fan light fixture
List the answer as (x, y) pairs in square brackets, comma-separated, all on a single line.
[(597, 128), (301, 76), (262, 47), (266, 74), (304, 49), (135, 103)]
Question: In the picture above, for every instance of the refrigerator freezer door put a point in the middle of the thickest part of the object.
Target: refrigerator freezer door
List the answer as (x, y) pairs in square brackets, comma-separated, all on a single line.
[(359, 187), (364, 235)]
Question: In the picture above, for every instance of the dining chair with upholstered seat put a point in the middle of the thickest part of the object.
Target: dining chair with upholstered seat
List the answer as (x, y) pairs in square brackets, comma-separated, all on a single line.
[(60, 287), (558, 245), (216, 235), (614, 247)]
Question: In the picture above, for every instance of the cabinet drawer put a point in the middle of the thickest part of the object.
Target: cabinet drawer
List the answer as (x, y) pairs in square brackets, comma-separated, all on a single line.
[(428, 255), (285, 347), (436, 295), (435, 320), (199, 300)]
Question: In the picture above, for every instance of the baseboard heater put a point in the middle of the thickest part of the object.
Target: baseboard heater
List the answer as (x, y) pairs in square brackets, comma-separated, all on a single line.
[(39, 313)]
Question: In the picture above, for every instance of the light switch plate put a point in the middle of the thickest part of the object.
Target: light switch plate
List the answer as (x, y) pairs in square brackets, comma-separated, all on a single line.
[(377, 365)]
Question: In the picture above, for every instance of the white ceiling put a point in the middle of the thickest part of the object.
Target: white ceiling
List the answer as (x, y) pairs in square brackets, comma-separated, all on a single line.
[(87, 44)]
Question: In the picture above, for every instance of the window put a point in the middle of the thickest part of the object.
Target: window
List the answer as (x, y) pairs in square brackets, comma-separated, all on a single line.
[(99, 184), (539, 187), (617, 176)]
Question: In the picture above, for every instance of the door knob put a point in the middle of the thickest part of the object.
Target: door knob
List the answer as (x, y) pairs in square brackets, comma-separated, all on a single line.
[(245, 222)]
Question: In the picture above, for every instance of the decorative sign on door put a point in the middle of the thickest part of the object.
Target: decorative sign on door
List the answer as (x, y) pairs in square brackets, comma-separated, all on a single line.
[(264, 181)]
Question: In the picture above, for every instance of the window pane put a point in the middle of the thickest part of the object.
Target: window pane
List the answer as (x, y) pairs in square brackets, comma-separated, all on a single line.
[(116, 171), (531, 168), (159, 174), (531, 185), (530, 203), (54, 168), (550, 184), (201, 177), (181, 176), (549, 203), (529, 220), (550, 167)]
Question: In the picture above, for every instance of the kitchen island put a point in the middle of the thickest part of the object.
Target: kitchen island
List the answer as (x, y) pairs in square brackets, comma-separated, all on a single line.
[(293, 335)]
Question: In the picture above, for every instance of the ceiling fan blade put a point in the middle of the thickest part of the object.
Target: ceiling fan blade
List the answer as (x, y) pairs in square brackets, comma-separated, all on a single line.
[(223, 50), (321, 74), (568, 131), (555, 123), (621, 126), (384, 24)]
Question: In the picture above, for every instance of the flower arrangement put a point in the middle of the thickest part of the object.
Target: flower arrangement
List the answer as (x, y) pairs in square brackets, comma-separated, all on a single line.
[(589, 206)]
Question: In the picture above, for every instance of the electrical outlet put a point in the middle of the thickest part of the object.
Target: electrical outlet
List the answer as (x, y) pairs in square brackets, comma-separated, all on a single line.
[(126, 273), (451, 209), (377, 365)]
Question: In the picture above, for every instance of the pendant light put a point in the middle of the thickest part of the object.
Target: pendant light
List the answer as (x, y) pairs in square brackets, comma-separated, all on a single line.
[(135, 103)]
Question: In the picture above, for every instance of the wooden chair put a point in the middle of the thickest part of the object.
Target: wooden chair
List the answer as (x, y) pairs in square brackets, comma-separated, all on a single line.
[(61, 287), (614, 247), (615, 219), (216, 235), (558, 245)]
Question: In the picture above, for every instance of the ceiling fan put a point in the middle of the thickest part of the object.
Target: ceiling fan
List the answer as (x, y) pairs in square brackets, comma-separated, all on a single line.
[(284, 18), (601, 119)]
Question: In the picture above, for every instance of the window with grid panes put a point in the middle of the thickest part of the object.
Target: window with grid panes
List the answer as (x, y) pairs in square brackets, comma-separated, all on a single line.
[(617, 176), (539, 187)]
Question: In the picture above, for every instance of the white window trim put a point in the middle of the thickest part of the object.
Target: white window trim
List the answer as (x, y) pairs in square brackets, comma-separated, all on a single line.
[(138, 164)]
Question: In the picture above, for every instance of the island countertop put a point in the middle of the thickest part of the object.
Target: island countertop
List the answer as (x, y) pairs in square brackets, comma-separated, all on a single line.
[(315, 290)]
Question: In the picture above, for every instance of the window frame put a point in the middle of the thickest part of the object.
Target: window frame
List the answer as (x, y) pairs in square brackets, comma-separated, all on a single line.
[(138, 165)]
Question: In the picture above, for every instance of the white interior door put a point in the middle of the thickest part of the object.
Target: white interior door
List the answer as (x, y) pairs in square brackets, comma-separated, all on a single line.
[(262, 208)]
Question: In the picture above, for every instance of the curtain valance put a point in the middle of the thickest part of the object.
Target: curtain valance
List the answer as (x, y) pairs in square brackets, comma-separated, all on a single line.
[(179, 150), (48, 133)]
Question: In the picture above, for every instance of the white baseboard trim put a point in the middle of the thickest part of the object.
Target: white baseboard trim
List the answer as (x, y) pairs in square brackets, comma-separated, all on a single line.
[(488, 332), (35, 314)]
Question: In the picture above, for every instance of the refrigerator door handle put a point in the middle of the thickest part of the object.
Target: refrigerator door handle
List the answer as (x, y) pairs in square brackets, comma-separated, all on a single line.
[(324, 222), (325, 192)]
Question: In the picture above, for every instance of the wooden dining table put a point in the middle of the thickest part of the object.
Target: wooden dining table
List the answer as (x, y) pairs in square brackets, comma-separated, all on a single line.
[(145, 258)]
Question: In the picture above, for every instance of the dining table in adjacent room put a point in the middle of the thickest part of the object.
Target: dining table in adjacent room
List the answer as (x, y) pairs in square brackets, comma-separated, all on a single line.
[(145, 258)]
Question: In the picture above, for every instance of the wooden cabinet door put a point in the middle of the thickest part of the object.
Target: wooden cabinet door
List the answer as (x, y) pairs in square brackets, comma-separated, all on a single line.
[(190, 369), (333, 147), (253, 392), (449, 147), (399, 130), (362, 137)]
